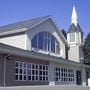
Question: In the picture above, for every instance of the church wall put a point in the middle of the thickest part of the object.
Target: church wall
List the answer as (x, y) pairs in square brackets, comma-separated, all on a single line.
[(10, 71), (81, 55), (52, 66), (15, 40), (73, 53), (78, 38)]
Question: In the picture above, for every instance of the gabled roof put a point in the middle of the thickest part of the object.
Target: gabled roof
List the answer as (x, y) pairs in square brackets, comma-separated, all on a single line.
[(74, 28), (22, 24), (79, 28), (28, 24)]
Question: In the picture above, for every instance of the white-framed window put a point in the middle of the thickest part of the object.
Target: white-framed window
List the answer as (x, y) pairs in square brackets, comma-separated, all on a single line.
[(57, 73), (43, 72), (63, 74), (70, 75), (21, 71), (30, 71), (33, 72), (45, 41)]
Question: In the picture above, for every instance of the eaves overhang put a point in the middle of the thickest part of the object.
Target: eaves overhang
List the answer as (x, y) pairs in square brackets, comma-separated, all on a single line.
[(6, 49)]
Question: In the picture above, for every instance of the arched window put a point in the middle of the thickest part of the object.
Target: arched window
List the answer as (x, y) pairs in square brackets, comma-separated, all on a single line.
[(45, 41)]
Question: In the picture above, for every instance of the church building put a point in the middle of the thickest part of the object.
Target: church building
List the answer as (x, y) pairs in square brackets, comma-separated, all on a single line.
[(32, 52)]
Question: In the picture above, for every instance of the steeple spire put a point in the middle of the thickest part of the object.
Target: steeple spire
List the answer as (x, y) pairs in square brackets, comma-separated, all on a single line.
[(74, 18)]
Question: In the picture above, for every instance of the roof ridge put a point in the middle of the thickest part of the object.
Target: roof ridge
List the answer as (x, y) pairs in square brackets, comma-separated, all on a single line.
[(24, 21), (22, 24)]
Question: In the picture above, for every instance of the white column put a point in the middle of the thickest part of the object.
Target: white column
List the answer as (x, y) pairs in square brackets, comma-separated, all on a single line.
[(88, 81), (51, 74), (88, 78), (75, 82), (83, 77)]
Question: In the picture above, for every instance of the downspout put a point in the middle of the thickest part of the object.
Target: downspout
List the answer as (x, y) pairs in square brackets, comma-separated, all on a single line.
[(5, 59)]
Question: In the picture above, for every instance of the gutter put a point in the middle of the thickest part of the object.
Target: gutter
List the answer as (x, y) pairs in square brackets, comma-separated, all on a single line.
[(5, 59), (6, 49)]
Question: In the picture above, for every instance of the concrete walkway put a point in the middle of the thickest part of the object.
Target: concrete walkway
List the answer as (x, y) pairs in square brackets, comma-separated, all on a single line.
[(61, 87)]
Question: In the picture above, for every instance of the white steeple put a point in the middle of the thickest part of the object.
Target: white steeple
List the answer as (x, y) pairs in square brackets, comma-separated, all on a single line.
[(74, 18)]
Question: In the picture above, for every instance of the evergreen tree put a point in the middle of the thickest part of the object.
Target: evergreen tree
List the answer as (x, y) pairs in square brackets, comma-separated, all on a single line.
[(86, 50), (64, 33)]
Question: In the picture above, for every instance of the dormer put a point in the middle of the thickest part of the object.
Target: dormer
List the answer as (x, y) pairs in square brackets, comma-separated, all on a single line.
[(40, 35)]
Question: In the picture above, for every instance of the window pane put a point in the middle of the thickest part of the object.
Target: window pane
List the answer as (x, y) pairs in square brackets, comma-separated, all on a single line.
[(16, 71), (20, 71), (40, 66), (20, 77), (24, 77), (46, 78), (45, 44), (34, 42), (33, 66), (36, 77), (43, 67), (16, 77), (33, 78), (43, 78), (29, 77), (36, 66), (43, 72), (40, 78), (52, 44), (40, 73), (48, 43), (46, 72), (33, 72), (40, 40), (29, 72), (24, 71), (17, 64), (24, 65), (21, 64), (29, 65)]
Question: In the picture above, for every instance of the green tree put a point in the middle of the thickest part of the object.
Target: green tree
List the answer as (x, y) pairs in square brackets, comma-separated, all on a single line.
[(86, 50), (64, 33)]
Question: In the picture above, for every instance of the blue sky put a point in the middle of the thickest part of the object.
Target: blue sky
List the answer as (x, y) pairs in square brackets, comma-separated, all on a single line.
[(18, 10)]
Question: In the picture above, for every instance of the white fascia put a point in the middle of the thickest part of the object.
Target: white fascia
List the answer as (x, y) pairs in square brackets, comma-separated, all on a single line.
[(25, 43)]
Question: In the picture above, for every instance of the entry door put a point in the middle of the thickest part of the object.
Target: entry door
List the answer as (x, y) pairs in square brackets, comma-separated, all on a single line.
[(78, 77), (87, 77)]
